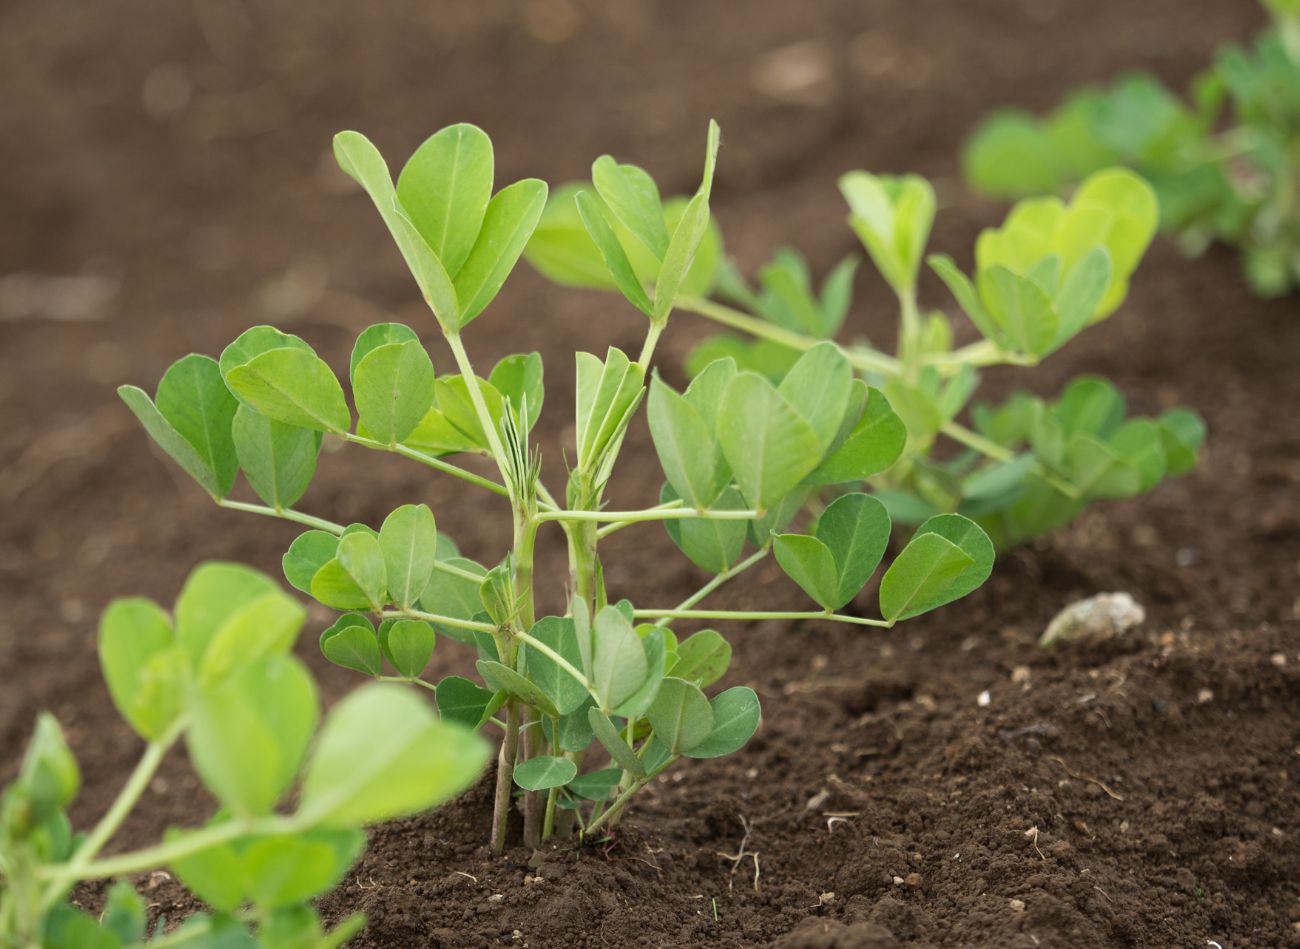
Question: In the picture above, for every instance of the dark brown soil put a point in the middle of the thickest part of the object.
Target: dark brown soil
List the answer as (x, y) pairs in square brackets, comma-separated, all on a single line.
[(177, 155)]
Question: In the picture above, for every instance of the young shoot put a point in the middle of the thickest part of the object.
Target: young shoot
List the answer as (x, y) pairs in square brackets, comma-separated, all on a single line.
[(218, 674), (593, 704)]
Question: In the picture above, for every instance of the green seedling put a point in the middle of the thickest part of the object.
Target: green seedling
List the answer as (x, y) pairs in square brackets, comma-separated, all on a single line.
[(1025, 468), (218, 674), (591, 705), (1225, 160)]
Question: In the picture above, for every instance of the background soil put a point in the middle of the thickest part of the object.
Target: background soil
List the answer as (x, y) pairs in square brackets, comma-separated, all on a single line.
[(168, 183)]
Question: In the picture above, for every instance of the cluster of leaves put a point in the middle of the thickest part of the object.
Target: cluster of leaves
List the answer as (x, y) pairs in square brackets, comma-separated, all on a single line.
[(741, 455), (1225, 161), (1051, 270), (218, 672)]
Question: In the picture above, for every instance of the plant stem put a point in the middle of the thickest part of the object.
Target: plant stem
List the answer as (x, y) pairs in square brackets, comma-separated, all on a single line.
[(431, 460), (984, 353), (759, 615), (162, 854), (505, 778), (619, 525), (126, 799), (438, 618), (286, 514), (413, 681), (909, 335), (864, 360), (716, 582), (649, 514), (648, 347), (616, 808), (444, 567), (985, 446), (480, 406)]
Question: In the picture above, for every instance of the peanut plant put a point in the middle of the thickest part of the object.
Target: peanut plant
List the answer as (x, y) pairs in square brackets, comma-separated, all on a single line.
[(739, 456), (1052, 269), (1225, 160), (218, 674)]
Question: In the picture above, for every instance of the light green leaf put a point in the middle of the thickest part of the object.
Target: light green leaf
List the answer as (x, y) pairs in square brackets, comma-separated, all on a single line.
[(963, 291), (1182, 432), (593, 214), (1020, 308), (453, 596), (633, 198), (310, 551), (375, 336), (461, 702), (361, 555), (702, 658), (768, 444), (512, 214), (293, 386), (254, 341), (505, 679), (444, 188), (947, 558), (808, 562), (564, 689), (618, 665), (170, 440), (454, 401), (334, 586), (875, 442), (818, 387), (382, 754), (855, 529), (361, 161), (284, 870), (393, 389), (408, 539), (248, 733), (135, 646), (595, 785), (613, 742), (608, 392), (682, 248), (685, 446), (736, 714), (519, 380), (711, 543), (351, 643), (544, 771), (212, 594), (266, 626), (193, 398), (680, 716), (279, 459), (655, 644), (1080, 296), (408, 644)]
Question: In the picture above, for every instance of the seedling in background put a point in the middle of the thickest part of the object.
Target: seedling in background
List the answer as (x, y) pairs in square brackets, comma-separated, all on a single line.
[(1026, 468), (218, 673), (1225, 161), (740, 455)]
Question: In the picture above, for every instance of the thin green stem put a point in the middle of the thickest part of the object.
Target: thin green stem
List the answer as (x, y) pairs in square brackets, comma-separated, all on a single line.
[(1000, 453), (716, 582), (574, 672), (452, 571), (864, 360), (284, 514), (169, 852), (616, 808), (649, 514), (438, 618), (431, 460), (648, 347), (126, 799), (983, 353), (411, 681), (760, 615), (480, 406), (909, 335), (616, 526)]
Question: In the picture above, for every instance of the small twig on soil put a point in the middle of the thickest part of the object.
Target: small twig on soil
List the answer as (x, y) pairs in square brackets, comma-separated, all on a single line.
[(842, 818), (1032, 834), (462, 873), (1103, 893), (1084, 777), (740, 855)]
